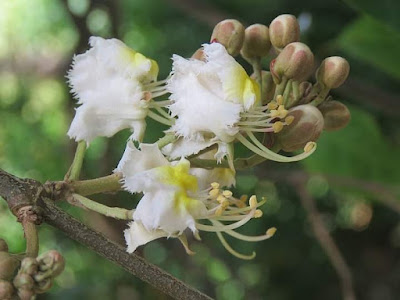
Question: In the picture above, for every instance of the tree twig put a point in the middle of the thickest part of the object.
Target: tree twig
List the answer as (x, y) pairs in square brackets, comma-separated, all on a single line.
[(132, 263), (20, 193), (325, 240), (298, 179)]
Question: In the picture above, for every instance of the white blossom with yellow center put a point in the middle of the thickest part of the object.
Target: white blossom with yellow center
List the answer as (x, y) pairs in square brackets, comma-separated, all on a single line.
[(172, 201), (216, 102), (113, 85), (207, 99)]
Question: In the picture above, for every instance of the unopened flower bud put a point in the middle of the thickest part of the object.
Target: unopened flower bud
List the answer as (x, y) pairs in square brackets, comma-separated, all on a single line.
[(25, 294), (52, 263), (256, 42), (296, 62), (3, 245), (29, 265), (24, 281), (284, 30), (267, 86), (6, 290), (336, 115), (43, 286), (229, 33), (332, 72), (307, 126), (8, 265), (199, 54)]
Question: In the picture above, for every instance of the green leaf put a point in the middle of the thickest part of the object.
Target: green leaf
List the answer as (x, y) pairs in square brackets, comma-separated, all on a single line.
[(373, 42), (386, 11), (359, 150)]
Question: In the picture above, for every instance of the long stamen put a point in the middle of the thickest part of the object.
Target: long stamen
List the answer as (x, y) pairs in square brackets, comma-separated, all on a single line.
[(160, 103), (159, 118), (243, 221), (252, 129), (268, 154), (155, 83), (162, 112), (233, 252), (308, 149), (232, 211), (158, 94)]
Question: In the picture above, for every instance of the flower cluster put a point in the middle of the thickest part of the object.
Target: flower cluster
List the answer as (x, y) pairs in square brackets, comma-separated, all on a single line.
[(210, 104)]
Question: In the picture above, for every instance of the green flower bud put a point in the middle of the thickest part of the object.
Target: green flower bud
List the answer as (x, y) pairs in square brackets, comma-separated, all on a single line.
[(44, 285), (336, 115), (8, 265), (307, 126), (332, 72), (51, 263), (3, 246), (229, 33), (296, 62), (24, 281), (6, 290), (283, 30), (29, 266), (256, 42)]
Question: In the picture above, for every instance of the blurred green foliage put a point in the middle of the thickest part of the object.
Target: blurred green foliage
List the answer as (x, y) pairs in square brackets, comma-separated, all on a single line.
[(37, 41)]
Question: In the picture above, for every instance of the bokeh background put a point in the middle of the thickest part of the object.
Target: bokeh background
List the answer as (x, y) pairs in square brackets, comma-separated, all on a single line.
[(352, 178)]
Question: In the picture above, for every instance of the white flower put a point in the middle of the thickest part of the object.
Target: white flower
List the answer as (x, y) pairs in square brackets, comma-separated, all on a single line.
[(216, 102), (209, 96), (108, 81), (174, 201)]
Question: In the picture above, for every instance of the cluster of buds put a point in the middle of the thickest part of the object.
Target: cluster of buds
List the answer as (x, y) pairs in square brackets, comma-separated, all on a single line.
[(291, 65), (212, 104), (36, 275), (8, 266)]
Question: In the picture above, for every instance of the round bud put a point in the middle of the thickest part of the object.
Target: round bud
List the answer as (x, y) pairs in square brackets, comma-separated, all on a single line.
[(24, 281), (333, 71), (336, 115), (256, 42), (8, 265), (199, 54), (229, 33), (29, 265), (43, 286), (283, 30), (296, 62), (306, 126), (3, 246), (6, 290), (51, 262)]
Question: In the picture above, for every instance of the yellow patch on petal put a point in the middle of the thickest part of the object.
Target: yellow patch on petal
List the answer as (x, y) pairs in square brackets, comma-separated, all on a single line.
[(179, 177), (138, 60), (153, 70), (239, 87)]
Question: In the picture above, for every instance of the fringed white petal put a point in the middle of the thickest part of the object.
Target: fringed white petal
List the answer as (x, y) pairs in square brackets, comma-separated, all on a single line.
[(108, 82), (137, 235), (162, 210), (119, 57), (185, 147), (137, 165), (199, 109)]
